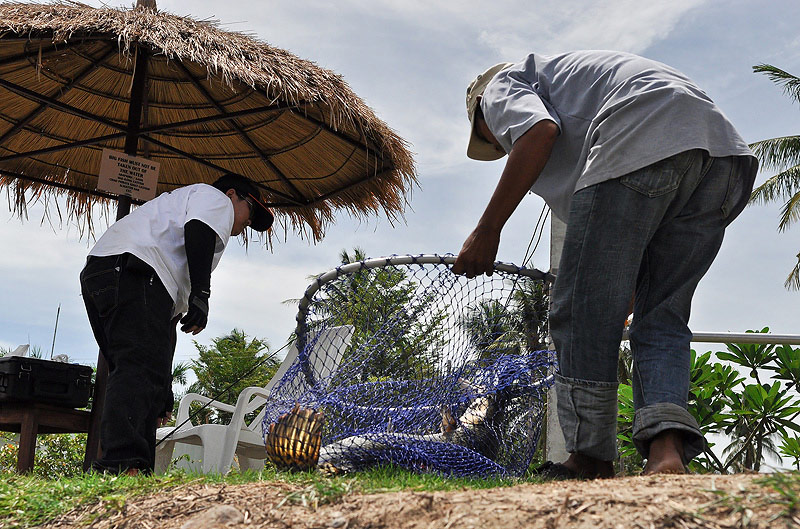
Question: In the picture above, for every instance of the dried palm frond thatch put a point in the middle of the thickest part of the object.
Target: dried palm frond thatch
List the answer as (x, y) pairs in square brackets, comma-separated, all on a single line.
[(214, 101)]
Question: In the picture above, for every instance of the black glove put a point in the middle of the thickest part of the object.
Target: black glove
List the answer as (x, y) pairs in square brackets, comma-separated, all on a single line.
[(198, 311)]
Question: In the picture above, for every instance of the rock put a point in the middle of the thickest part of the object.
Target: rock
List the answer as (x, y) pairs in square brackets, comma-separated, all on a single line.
[(219, 517), (336, 520)]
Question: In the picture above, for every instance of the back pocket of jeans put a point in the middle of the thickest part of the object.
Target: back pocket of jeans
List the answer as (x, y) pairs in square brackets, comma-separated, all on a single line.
[(661, 177), (103, 290)]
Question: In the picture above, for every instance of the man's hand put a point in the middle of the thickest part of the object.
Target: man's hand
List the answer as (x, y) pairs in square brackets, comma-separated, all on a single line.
[(478, 253), (162, 421), (197, 317), (525, 162)]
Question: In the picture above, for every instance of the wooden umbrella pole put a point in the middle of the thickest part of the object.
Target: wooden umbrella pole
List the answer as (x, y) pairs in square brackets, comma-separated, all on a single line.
[(123, 208), (134, 118)]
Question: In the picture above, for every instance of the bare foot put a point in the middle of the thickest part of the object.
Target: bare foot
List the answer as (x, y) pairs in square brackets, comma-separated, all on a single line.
[(666, 454), (588, 467)]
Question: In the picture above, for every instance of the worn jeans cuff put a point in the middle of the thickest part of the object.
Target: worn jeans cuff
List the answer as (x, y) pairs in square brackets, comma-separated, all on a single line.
[(587, 412), (651, 420)]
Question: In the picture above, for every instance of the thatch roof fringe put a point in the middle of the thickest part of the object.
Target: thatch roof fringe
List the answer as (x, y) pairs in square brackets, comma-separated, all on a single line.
[(236, 59)]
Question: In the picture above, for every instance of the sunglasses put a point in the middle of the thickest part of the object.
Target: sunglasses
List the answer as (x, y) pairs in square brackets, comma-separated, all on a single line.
[(251, 205)]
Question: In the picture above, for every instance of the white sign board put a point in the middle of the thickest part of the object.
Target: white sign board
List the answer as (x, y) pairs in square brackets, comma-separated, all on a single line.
[(127, 175)]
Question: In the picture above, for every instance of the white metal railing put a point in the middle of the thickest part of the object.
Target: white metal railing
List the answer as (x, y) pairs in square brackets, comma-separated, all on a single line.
[(741, 337), (746, 337)]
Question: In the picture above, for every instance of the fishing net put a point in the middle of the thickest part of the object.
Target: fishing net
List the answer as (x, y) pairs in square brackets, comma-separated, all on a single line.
[(411, 365)]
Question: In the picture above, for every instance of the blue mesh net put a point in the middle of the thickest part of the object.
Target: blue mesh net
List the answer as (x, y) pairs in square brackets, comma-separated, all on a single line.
[(415, 366)]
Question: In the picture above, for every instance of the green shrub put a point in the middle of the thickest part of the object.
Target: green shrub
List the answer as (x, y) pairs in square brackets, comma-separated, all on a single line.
[(57, 455), (730, 399)]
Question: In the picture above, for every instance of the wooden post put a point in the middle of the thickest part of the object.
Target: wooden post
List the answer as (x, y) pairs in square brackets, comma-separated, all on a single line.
[(29, 425), (138, 97), (555, 446)]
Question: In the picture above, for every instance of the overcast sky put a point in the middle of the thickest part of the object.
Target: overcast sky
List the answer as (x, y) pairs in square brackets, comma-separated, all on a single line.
[(411, 61)]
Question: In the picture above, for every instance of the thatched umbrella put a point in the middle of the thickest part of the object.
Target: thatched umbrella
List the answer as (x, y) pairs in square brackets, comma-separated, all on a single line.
[(200, 101)]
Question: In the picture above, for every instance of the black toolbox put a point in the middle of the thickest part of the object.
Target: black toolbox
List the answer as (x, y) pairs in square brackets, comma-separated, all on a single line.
[(24, 379)]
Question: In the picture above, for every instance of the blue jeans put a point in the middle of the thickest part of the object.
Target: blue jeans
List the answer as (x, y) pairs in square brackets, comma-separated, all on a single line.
[(655, 233)]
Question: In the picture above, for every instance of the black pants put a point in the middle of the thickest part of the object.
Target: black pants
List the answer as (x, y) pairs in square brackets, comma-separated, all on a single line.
[(131, 316)]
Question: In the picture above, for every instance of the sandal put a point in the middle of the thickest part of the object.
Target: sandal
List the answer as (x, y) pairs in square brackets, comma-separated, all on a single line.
[(555, 471)]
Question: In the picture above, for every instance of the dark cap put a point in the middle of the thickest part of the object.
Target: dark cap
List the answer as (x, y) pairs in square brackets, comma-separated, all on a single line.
[(244, 187)]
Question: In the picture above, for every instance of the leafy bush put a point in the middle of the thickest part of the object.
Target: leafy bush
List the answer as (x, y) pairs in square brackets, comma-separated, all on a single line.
[(732, 398), (57, 455)]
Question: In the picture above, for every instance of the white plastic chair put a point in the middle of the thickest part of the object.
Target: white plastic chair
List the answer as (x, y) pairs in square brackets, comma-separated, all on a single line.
[(22, 350), (218, 443)]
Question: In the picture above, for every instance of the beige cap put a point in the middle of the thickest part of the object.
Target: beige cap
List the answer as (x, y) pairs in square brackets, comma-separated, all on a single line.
[(478, 148)]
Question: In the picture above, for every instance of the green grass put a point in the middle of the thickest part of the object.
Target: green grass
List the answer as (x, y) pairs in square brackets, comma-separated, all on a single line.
[(319, 490), (390, 479), (787, 485), (28, 501), (742, 503)]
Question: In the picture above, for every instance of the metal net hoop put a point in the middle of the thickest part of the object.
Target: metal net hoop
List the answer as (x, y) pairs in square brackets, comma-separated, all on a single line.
[(415, 366)]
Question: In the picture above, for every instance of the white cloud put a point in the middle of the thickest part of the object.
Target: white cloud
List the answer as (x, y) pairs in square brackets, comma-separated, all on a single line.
[(628, 25), (412, 59)]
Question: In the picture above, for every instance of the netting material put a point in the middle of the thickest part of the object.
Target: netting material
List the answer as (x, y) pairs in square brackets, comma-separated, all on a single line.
[(415, 366)]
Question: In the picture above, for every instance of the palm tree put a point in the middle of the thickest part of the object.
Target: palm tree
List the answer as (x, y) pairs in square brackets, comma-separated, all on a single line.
[(397, 329), (225, 368), (531, 301), (512, 327), (489, 328), (743, 456), (760, 415), (180, 372), (783, 155)]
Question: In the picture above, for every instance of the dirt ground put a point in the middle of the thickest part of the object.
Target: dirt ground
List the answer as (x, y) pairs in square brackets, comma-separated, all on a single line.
[(686, 502)]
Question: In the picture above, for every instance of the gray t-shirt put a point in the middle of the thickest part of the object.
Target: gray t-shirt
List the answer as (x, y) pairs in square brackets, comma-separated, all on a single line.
[(617, 112)]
